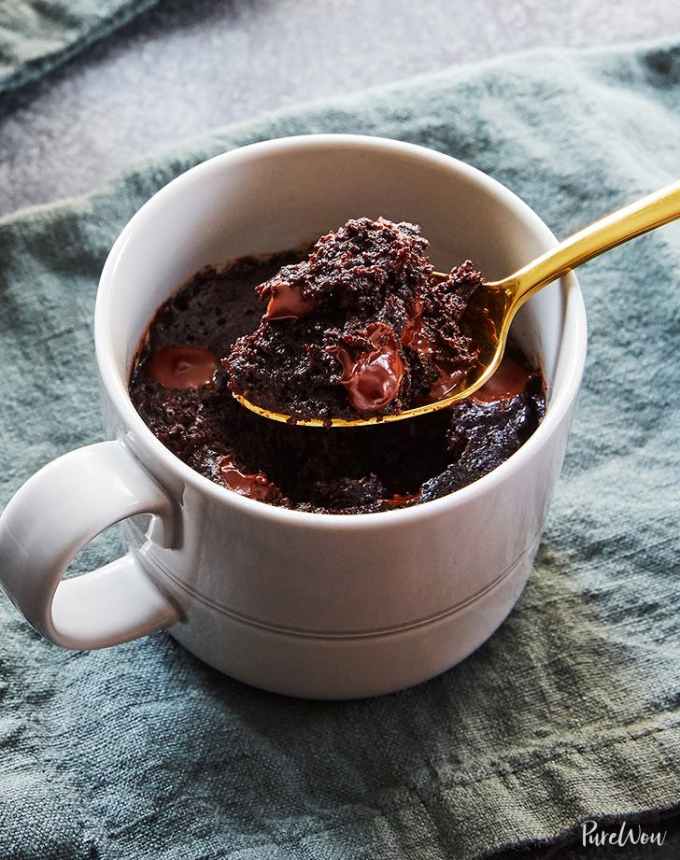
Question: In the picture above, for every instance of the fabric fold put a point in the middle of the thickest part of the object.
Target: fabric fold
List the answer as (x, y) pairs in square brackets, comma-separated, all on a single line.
[(36, 37)]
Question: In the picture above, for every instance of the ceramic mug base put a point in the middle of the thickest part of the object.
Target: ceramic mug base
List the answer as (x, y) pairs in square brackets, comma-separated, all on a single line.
[(343, 667)]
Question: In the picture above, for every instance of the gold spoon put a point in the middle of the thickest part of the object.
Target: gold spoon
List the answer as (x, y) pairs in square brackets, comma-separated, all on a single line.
[(504, 298)]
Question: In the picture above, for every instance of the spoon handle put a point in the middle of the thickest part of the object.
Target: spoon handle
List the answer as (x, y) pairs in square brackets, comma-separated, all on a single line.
[(646, 214)]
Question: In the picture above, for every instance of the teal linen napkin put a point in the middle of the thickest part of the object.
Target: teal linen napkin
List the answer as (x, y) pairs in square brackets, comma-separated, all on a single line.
[(571, 711), (38, 35)]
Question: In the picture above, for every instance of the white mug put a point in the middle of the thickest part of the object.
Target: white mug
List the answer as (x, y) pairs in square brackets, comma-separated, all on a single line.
[(314, 605)]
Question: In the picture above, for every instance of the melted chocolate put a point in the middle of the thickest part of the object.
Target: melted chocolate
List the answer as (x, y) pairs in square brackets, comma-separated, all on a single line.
[(401, 500), (182, 366), (373, 378), (412, 335), (509, 380), (446, 380), (286, 302), (254, 486)]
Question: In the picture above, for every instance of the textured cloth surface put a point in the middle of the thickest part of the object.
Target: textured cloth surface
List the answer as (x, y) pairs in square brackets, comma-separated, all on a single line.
[(571, 710), (37, 35)]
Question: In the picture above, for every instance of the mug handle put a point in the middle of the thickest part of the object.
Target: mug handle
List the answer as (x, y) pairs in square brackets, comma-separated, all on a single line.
[(59, 510)]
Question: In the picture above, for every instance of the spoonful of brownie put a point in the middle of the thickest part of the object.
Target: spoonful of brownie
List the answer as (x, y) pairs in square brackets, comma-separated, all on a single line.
[(365, 331)]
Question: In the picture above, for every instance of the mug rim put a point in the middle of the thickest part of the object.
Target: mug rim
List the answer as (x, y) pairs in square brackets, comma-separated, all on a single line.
[(117, 387)]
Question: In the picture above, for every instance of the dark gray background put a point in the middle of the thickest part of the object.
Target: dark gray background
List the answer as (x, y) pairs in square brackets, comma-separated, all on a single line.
[(186, 67)]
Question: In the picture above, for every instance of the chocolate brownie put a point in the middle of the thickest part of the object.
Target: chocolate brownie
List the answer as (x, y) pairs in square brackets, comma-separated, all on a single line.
[(361, 327), (179, 386)]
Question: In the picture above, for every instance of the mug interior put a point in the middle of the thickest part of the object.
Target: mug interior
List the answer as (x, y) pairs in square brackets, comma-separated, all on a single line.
[(280, 194)]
